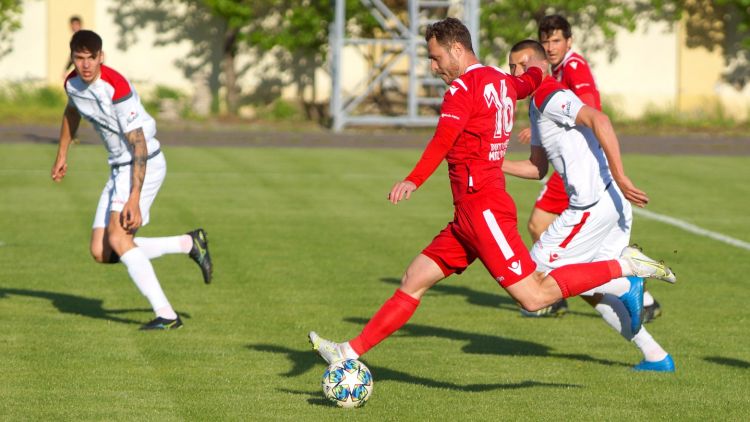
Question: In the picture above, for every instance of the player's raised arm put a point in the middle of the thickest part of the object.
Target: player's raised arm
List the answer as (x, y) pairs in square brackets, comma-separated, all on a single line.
[(529, 81), (68, 128), (605, 133)]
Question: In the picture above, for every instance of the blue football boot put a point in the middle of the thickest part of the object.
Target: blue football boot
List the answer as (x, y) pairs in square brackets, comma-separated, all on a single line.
[(633, 301), (664, 365)]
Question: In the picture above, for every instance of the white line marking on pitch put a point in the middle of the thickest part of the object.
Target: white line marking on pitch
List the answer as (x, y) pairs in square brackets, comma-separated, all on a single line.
[(692, 228)]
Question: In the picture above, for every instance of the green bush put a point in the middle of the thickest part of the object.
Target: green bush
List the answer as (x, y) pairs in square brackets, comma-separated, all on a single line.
[(26, 103), (29, 96), (152, 101), (283, 110)]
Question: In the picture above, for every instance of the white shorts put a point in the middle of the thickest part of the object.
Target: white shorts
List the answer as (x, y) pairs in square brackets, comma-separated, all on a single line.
[(580, 236), (117, 190)]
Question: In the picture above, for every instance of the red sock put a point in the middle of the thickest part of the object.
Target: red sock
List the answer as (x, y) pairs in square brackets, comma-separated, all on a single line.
[(392, 315), (578, 278)]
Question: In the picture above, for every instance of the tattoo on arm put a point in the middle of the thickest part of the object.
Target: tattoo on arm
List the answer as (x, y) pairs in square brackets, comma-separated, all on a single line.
[(137, 143)]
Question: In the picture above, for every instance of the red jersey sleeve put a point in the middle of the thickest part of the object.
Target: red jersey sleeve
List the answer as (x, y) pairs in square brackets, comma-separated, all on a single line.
[(578, 78), (527, 83), (454, 114)]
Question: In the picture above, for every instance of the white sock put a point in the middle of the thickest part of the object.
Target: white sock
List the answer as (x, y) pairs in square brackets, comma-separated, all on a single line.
[(651, 350), (347, 351), (627, 270), (617, 287), (155, 247), (648, 300), (616, 315), (144, 277)]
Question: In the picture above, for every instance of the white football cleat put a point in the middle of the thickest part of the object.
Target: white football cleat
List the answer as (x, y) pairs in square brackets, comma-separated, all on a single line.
[(645, 267), (328, 350)]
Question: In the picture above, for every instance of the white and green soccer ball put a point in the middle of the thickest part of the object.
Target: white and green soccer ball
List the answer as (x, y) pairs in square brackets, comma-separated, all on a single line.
[(348, 383)]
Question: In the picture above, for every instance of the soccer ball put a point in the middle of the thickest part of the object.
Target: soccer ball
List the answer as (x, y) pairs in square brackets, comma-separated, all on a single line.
[(348, 383)]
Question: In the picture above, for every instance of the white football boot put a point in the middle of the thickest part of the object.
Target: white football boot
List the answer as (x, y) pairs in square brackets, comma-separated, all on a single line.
[(330, 351), (645, 267)]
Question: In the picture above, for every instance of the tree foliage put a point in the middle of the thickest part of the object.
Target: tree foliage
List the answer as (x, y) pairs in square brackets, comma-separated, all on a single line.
[(712, 24), (10, 13), (296, 32), (721, 25), (596, 24)]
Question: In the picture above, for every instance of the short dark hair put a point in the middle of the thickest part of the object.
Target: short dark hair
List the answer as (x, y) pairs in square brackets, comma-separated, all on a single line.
[(534, 45), (551, 23), (86, 40), (447, 31), (75, 18)]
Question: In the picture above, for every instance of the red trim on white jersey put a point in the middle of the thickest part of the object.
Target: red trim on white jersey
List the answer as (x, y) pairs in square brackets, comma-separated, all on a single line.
[(118, 82)]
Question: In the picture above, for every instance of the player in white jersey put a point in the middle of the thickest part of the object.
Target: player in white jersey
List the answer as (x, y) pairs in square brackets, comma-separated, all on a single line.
[(581, 144), (138, 167)]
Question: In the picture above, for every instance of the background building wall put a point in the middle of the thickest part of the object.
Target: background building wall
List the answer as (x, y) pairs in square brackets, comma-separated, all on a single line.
[(59, 33), (644, 72), (653, 69), (143, 62), (27, 61)]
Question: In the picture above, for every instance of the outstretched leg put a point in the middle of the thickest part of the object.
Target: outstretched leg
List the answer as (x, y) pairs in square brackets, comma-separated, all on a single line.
[(421, 274)]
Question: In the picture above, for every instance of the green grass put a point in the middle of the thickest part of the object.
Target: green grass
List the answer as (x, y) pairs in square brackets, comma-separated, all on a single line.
[(304, 239)]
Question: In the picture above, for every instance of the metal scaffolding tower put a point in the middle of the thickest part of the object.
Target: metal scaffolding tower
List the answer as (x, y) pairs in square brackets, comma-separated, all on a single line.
[(399, 88)]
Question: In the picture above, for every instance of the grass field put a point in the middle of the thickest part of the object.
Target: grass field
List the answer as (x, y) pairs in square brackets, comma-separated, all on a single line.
[(304, 239)]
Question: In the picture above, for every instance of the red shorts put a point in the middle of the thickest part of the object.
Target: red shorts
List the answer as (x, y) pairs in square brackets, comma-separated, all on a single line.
[(486, 228), (553, 197)]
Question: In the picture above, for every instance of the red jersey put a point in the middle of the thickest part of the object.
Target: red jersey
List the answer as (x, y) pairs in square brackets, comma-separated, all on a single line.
[(472, 134), (575, 74)]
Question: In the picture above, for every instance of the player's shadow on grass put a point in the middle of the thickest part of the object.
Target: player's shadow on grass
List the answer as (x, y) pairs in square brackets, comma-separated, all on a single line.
[(301, 360), (304, 361), (483, 344), (475, 297), (737, 363), (76, 305)]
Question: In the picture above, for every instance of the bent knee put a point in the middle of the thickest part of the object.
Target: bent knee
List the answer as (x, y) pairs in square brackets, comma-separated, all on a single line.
[(102, 257), (415, 285)]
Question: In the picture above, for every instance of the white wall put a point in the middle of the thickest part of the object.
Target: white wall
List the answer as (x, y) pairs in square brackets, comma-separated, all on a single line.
[(644, 72), (143, 63), (28, 59)]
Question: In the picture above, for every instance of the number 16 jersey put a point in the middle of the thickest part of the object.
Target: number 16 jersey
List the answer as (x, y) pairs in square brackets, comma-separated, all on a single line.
[(472, 134)]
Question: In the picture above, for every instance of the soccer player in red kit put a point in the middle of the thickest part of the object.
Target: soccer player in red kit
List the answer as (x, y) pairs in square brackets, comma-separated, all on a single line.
[(472, 134), (573, 71)]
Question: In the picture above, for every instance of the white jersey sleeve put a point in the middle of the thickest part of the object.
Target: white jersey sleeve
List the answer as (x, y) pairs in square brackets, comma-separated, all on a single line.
[(129, 112), (562, 107)]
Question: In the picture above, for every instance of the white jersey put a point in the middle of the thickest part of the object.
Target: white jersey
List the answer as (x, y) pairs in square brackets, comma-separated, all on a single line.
[(113, 107), (573, 151)]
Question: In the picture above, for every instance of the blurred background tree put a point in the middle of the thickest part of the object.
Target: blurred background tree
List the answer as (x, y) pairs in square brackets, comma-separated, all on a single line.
[(595, 23), (10, 12), (724, 25), (296, 33)]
